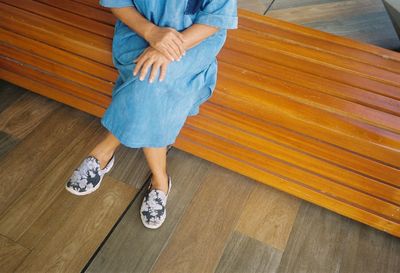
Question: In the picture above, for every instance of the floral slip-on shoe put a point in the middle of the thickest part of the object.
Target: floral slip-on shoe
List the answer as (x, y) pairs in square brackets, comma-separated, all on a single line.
[(153, 209), (88, 176)]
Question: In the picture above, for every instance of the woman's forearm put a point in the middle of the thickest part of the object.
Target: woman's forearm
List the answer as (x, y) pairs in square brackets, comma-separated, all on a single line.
[(196, 33), (193, 35), (134, 20)]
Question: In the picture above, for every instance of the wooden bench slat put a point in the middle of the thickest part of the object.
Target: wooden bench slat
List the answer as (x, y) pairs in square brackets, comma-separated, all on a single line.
[(83, 43), (231, 59), (298, 141), (207, 146), (269, 31), (263, 156), (354, 136), (83, 17), (98, 88), (313, 98), (323, 58), (105, 72), (52, 80), (318, 69), (310, 113), (259, 22), (82, 9), (92, 3), (51, 92), (325, 173)]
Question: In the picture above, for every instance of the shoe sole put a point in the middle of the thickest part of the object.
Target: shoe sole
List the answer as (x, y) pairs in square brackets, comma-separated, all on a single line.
[(108, 168)]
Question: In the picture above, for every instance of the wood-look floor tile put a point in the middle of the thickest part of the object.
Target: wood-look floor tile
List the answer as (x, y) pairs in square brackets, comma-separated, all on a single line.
[(9, 93), (363, 20), (134, 248), (332, 10), (33, 155), (268, 215), (130, 166), (199, 239), (26, 113), (257, 6), (11, 254), (20, 113), (244, 254), (373, 28), (369, 250), (284, 4), (68, 233), (45, 187), (7, 143), (324, 241)]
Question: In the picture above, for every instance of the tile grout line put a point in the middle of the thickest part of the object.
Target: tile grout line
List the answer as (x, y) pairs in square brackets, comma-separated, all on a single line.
[(169, 147)]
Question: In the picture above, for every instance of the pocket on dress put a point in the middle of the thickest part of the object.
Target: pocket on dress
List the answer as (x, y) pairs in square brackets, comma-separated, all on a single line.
[(192, 6)]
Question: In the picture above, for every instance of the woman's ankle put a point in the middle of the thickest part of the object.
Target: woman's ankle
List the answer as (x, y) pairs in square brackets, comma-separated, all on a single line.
[(160, 181), (103, 157)]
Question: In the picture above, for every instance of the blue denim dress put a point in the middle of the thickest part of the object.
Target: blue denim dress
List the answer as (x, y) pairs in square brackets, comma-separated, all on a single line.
[(143, 114)]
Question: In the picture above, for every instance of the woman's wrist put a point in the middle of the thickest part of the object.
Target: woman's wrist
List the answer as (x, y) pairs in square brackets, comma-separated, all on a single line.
[(148, 29), (197, 33)]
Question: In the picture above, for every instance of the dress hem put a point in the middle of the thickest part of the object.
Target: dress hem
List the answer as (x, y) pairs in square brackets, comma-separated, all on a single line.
[(123, 141)]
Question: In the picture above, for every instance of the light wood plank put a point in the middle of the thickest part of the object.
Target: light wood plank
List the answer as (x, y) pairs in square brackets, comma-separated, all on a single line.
[(11, 254), (47, 185), (16, 168), (68, 233), (135, 248), (268, 216), (199, 240), (26, 113)]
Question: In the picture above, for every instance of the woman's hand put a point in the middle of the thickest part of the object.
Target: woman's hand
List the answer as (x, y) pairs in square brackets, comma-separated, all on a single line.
[(167, 40), (153, 58)]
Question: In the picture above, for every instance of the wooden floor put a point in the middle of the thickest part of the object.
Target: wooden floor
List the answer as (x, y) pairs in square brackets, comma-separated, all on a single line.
[(362, 20), (218, 220)]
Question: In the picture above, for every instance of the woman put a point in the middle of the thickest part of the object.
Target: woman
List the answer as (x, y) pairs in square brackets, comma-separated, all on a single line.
[(165, 52)]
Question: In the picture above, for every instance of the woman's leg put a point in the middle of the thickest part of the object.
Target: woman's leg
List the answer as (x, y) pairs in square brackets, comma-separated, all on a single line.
[(157, 161), (105, 149)]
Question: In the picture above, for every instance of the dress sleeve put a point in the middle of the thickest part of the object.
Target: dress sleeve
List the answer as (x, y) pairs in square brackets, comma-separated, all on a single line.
[(116, 3), (218, 13)]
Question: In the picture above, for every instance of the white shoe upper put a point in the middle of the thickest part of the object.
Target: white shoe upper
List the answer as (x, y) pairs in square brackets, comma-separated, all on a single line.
[(153, 208)]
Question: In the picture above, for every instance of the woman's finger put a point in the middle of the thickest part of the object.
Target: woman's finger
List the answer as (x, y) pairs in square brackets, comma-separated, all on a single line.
[(145, 68), (178, 44), (138, 58), (163, 72), (166, 52), (181, 37), (173, 50), (154, 71), (138, 66)]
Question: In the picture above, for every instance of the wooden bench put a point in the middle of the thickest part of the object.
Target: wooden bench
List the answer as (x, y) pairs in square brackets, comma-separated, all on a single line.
[(307, 112)]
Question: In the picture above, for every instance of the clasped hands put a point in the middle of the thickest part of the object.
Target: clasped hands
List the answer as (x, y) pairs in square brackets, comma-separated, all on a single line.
[(166, 45)]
